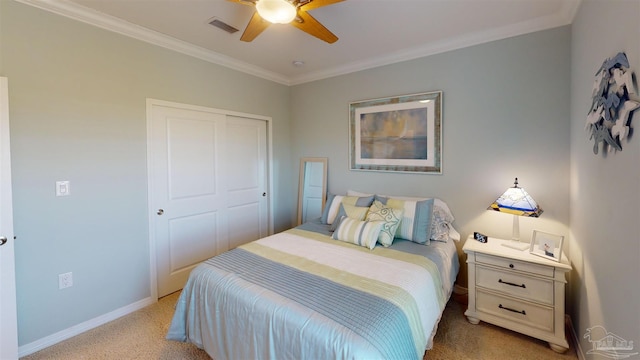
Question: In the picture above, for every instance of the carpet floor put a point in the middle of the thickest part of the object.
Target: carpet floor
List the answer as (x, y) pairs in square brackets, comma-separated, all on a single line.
[(140, 335)]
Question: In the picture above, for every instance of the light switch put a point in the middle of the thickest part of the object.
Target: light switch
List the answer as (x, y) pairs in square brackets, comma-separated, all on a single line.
[(62, 188)]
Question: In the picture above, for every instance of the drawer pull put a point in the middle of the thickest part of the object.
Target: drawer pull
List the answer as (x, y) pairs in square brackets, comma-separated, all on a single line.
[(512, 310), (511, 266), (512, 284)]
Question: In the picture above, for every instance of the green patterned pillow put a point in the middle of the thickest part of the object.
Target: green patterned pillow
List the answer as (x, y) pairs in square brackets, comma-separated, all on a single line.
[(391, 218), (363, 233)]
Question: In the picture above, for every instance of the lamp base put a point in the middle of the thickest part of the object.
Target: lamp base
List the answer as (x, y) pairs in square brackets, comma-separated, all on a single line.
[(516, 245)]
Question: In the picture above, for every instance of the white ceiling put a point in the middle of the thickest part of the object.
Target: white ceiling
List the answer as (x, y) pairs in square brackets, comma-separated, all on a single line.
[(371, 32)]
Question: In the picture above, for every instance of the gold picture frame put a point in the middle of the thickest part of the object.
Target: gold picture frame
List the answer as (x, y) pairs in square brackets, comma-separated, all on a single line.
[(399, 134)]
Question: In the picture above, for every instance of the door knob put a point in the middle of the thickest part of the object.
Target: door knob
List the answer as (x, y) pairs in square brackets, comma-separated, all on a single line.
[(3, 240), (160, 211)]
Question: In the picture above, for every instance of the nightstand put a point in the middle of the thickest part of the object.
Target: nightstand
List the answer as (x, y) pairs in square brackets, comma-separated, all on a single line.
[(517, 290)]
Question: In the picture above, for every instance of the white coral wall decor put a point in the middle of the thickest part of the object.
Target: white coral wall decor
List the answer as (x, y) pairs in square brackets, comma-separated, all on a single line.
[(614, 99)]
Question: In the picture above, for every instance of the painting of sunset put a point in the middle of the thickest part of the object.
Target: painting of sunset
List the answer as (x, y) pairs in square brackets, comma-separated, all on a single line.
[(396, 134), (401, 134)]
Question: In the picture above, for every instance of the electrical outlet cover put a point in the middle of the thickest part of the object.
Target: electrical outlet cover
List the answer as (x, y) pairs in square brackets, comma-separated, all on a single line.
[(65, 280)]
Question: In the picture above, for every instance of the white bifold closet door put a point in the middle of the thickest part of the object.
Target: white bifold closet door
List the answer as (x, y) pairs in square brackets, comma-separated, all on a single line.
[(208, 187)]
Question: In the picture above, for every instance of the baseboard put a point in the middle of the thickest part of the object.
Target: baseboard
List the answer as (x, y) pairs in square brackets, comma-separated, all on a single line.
[(573, 337), (82, 327)]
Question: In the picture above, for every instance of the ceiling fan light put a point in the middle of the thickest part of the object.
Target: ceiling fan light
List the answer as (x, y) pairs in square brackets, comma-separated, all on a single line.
[(276, 11)]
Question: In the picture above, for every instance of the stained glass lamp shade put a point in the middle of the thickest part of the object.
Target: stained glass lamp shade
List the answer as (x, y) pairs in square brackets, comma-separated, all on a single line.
[(518, 202)]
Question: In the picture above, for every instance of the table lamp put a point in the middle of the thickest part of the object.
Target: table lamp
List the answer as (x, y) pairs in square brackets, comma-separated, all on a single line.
[(518, 202)]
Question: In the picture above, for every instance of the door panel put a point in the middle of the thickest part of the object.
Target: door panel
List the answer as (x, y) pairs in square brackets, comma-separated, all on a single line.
[(187, 161), (200, 230), (192, 157), (244, 215), (247, 175), (8, 316)]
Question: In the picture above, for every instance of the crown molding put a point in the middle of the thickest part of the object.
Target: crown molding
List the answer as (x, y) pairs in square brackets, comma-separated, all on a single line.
[(569, 10), (563, 17), (89, 16)]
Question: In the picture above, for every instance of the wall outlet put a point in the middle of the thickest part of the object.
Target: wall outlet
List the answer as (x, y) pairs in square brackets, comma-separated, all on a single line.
[(65, 280)]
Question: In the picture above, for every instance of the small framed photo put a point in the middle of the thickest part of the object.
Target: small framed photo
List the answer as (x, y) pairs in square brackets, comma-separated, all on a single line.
[(547, 245)]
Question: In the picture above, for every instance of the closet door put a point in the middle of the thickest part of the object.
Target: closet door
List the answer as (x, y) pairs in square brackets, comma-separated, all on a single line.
[(207, 187), (189, 191), (247, 180)]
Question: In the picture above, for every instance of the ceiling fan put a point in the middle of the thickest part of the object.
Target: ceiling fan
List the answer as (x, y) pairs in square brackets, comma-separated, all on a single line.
[(286, 11)]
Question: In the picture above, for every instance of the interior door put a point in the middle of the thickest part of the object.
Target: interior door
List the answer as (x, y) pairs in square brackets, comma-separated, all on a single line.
[(8, 317), (247, 178), (189, 192), (208, 186)]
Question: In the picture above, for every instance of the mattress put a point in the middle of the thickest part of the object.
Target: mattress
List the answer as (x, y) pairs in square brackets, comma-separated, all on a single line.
[(300, 294)]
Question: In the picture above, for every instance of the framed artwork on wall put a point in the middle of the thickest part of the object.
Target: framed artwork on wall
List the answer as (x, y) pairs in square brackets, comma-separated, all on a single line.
[(398, 134)]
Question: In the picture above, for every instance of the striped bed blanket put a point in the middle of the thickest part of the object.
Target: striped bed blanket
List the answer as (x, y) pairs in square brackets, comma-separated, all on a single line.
[(300, 294)]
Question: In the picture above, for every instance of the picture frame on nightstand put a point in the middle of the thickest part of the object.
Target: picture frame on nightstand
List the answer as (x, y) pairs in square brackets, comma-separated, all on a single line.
[(546, 245)]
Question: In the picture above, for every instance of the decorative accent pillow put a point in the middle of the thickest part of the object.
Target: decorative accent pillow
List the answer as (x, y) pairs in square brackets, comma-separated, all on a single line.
[(443, 231), (332, 205), (416, 220), (391, 218), (440, 208), (441, 221), (363, 233), (439, 231), (351, 211)]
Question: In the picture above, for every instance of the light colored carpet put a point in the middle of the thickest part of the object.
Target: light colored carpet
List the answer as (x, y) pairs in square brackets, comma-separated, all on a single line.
[(141, 336), (458, 339)]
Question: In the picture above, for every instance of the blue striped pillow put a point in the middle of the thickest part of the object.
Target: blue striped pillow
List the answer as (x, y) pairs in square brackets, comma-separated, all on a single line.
[(416, 220)]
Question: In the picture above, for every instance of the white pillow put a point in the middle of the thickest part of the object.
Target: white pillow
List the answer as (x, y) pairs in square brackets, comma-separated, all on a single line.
[(453, 233)]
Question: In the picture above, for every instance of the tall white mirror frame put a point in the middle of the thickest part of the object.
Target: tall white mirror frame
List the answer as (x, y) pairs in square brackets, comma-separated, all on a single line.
[(312, 188)]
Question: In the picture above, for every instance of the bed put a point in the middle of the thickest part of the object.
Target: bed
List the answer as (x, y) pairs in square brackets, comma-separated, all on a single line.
[(325, 289)]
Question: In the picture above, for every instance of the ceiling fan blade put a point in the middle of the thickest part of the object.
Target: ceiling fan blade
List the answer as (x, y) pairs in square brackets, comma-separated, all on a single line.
[(312, 27), (314, 4), (255, 27), (244, 2)]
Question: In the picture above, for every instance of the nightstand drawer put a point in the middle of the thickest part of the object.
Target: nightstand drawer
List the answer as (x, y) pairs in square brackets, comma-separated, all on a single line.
[(537, 316), (515, 284), (515, 265)]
